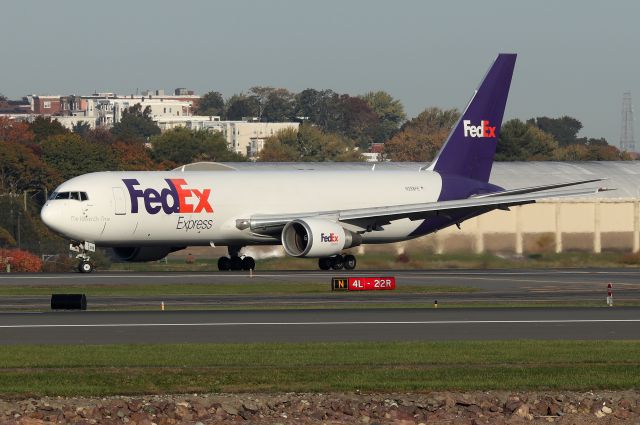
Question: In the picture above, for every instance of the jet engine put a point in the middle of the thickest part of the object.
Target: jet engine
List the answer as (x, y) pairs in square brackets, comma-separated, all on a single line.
[(137, 254), (313, 237)]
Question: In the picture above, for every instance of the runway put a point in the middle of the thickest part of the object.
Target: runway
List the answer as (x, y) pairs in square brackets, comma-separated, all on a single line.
[(490, 286), (319, 325)]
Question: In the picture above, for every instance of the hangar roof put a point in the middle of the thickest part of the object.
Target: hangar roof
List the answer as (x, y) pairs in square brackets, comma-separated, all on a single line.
[(624, 176)]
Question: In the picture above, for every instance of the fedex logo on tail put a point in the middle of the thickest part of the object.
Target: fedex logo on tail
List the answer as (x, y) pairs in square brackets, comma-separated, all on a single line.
[(484, 130), (177, 197), (331, 237)]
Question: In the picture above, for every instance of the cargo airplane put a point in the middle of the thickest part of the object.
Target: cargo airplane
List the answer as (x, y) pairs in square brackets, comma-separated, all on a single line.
[(145, 215)]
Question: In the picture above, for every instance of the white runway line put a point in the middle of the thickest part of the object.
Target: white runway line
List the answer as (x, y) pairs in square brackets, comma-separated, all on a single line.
[(223, 324)]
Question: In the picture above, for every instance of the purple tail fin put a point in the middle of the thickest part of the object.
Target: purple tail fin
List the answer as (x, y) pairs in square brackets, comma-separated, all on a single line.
[(469, 150)]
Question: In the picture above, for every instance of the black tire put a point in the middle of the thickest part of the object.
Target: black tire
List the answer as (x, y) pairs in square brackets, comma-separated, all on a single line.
[(85, 267), (224, 264), (324, 263), (235, 263), (349, 262), (337, 262), (248, 263)]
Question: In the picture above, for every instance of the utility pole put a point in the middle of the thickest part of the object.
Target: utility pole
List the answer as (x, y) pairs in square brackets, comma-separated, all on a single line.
[(627, 142)]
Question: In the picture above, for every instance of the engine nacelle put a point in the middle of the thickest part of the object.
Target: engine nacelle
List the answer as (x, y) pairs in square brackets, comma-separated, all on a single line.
[(315, 237), (136, 254)]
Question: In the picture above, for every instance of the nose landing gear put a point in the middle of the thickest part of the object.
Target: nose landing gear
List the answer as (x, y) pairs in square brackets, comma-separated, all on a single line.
[(85, 265), (235, 262), (337, 262)]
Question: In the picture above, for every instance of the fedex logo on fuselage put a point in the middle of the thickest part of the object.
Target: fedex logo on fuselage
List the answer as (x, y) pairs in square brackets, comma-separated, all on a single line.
[(480, 131), (331, 237), (176, 198)]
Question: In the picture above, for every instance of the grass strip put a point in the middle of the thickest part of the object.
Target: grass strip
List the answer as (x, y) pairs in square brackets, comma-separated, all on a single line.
[(418, 259), (36, 370), (263, 288)]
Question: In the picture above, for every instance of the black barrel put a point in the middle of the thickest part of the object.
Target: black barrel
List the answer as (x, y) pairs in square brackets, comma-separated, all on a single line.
[(68, 302)]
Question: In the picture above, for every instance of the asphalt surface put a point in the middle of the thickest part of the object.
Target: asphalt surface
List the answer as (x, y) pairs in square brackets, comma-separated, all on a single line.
[(493, 286), (319, 325), (310, 323)]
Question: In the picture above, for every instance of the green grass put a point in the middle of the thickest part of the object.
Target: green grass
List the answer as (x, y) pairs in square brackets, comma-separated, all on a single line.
[(262, 288), (402, 366), (413, 260)]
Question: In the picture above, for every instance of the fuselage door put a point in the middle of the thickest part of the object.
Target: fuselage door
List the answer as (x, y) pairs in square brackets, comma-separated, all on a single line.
[(119, 201)]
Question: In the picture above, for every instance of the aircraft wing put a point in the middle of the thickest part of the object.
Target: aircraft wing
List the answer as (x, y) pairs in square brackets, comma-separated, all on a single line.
[(373, 218)]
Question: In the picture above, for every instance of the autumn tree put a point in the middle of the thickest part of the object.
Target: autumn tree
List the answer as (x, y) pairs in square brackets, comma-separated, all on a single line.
[(277, 105), (72, 156), (421, 138), (355, 120), (240, 106), (101, 136), (211, 104), (520, 141), (182, 146), (21, 169), (81, 128), (320, 107), (595, 152), (132, 156), (45, 127), (308, 144), (15, 131), (390, 114), (135, 123), (563, 129)]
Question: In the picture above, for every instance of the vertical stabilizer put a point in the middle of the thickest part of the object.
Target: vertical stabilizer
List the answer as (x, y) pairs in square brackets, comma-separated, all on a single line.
[(471, 145)]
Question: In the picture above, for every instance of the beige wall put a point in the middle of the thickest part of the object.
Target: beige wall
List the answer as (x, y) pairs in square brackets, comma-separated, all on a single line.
[(584, 225)]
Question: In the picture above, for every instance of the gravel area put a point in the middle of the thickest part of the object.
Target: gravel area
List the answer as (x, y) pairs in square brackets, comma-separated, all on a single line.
[(494, 407)]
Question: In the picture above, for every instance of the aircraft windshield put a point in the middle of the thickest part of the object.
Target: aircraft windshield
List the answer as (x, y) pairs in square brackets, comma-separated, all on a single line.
[(78, 196)]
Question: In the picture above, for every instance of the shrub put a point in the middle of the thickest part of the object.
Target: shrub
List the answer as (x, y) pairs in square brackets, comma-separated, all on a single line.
[(22, 261), (60, 263), (6, 240)]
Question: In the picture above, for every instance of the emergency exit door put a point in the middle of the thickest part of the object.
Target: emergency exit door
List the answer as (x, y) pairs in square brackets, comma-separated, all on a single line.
[(119, 201)]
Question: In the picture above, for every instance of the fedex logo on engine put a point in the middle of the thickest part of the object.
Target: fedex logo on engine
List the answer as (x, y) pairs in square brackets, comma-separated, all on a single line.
[(331, 237), (479, 131), (178, 197)]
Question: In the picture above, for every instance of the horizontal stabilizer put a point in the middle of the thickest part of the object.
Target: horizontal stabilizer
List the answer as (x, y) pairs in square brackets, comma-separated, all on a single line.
[(532, 189)]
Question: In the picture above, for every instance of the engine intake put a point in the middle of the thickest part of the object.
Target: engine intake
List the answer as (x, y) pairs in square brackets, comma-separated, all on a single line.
[(313, 237)]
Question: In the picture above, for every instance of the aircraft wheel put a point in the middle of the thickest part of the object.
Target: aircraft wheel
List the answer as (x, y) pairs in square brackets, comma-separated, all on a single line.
[(337, 262), (224, 264), (248, 263), (235, 263), (85, 267), (349, 262), (324, 263)]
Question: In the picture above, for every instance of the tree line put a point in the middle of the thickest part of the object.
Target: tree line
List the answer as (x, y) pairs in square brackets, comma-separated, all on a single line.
[(347, 122)]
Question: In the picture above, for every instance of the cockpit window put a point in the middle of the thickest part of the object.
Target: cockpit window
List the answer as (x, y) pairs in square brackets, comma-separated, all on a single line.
[(78, 196)]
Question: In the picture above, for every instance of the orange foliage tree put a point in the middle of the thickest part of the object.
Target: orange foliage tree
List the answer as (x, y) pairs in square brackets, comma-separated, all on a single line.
[(21, 261), (15, 131)]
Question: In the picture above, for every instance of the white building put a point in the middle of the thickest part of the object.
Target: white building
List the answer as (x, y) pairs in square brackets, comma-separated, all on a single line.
[(243, 137), (108, 111)]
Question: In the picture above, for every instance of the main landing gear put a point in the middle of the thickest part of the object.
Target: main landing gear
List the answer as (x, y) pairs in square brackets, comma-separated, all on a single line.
[(235, 262), (337, 262), (85, 265)]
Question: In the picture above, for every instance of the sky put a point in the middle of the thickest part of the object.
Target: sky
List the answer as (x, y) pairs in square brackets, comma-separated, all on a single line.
[(575, 57)]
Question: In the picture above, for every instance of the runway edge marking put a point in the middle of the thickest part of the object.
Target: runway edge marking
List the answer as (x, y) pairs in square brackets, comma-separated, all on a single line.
[(436, 322)]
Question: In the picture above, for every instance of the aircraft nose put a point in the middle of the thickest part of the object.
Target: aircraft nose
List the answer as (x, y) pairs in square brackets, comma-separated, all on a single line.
[(50, 216)]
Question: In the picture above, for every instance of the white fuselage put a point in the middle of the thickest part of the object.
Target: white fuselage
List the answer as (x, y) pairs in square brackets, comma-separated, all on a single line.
[(219, 198)]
